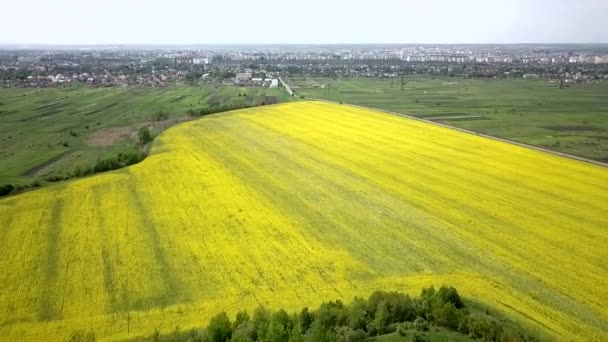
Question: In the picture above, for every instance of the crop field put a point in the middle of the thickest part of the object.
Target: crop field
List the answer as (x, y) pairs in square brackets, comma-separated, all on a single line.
[(573, 120), (294, 204), (50, 131)]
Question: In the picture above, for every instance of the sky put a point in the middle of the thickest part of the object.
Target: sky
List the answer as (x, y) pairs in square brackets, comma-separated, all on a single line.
[(303, 22)]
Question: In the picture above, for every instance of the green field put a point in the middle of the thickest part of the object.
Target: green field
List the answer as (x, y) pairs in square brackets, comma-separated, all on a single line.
[(50, 131), (573, 120)]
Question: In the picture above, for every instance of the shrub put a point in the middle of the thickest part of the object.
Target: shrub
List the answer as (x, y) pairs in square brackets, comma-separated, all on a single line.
[(346, 334), (420, 324), (220, 328), (161, 116), (144, 135), (418, 337), (6, 189)]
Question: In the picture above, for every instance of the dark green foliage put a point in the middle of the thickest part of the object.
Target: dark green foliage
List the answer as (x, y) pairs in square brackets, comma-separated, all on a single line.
[(6, 189), (244, 331), (328, 316), (420, 324), (261, 321), (450, 295), (417, 337), (279, 328), (357, 315), (381, 319), (305, 319), (161, 116), (218, 108), (144, 135), (10, 189), (121, 160), (220, 328), (346, 334), (382, 313)]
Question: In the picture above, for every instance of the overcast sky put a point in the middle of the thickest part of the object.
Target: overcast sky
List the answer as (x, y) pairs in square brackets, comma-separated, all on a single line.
[(308, 21)]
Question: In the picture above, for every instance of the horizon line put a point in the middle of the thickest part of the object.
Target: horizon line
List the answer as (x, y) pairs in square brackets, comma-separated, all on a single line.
[(285, 44)]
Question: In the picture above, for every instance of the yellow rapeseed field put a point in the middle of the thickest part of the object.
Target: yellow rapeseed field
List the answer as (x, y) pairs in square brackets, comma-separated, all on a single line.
[(295, 204)]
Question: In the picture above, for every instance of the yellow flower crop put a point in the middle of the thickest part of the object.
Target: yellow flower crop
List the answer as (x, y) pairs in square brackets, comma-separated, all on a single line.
[(295, 204)]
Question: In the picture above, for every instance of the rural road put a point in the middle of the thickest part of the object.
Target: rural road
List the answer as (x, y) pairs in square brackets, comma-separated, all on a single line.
[(287, 87)]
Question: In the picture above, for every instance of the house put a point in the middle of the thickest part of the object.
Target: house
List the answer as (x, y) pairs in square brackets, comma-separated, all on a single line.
[(243, 79)]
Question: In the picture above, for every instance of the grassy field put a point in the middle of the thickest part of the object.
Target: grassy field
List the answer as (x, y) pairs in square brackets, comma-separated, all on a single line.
[(572, 120), (50, 131), (295, 204)]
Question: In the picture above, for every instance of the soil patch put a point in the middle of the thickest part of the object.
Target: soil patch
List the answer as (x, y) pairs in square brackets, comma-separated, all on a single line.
[(108, 136)]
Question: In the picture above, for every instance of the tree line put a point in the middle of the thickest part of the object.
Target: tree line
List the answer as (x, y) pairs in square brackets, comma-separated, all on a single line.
[(362, 320)]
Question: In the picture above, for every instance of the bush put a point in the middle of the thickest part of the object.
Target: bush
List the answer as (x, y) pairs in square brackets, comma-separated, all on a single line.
[(346, 334), (161, 116), (420, 324), (6, 189), (418, 337), (220, 328), (144, 135)]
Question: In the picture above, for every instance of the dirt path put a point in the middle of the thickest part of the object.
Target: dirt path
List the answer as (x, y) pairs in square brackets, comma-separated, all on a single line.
[(287, 87), (561, 154), (32, 171)]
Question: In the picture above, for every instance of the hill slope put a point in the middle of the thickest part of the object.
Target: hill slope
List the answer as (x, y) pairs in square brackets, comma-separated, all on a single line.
[(293, 204)]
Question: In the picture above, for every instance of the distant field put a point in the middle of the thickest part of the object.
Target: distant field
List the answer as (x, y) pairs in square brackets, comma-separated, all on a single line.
[(572, 120), (295, 204), (50, 131)]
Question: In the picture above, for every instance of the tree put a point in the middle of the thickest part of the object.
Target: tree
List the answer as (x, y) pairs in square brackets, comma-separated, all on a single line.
[(449, 316), (261, 320), (243, 329), (346, 334), (220, 328), (241, 318), (357, 315), (450, 295), (144, 135), (382, 318), (244, 332), (279, 328)]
